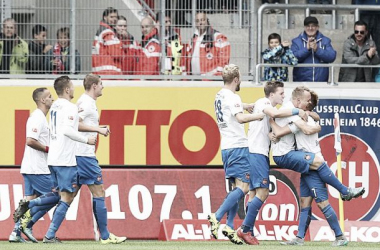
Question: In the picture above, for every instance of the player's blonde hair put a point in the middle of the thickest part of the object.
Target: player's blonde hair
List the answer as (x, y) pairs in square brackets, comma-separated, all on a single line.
[(230, 71), (89, 80), (298, 91)]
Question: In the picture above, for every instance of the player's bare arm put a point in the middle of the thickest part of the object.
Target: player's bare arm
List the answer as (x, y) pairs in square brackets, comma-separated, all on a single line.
[(244, 118), (33, 143)]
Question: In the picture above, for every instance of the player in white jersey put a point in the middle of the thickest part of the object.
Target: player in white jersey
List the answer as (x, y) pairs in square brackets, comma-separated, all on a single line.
[(259, 144), (64, 135), (34, 168), (311, 185), (230, 117), (89, 172)]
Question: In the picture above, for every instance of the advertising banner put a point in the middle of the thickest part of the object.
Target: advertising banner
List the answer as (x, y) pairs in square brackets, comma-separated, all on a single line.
[(144, 198)]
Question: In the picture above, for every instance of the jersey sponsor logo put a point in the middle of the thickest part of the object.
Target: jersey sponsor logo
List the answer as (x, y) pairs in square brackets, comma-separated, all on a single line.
[(34, 130), (360, 167), (237, 105)]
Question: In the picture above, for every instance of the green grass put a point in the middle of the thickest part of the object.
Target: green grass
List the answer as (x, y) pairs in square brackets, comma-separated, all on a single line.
[(188, 245)]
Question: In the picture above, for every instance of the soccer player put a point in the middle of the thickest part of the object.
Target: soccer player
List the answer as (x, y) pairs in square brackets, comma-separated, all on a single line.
[(34, 168), (312, 187), (285, 155), (259, 144), (89, 172), (230, 118), (64, 121)]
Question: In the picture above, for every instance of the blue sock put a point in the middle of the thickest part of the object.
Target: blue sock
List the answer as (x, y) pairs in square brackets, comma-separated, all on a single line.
[(37, 209), (328, 177), (39, 212), (100, 212), (250, 218), (231, 199), (231, 215), (16, 228), (46, 199), (332, 219), (58, 217), (304, 222)]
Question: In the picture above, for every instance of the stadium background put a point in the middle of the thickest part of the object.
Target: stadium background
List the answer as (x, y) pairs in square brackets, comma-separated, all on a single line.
[(164, 145)]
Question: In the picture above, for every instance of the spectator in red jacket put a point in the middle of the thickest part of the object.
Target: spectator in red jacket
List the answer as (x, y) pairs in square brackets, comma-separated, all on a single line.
[(106, 48), (148, 57), (129, 46), (209, 49)]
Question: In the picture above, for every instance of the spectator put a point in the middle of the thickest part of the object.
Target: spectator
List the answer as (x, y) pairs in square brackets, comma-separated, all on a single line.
[(269, 11), (372, 18), (37, 51), (149, 54), (129, 46), (320, 2), (312, 47), (174, 49), (106, 48), (280, 54), (360, 49), (209, 49), (58, 59), (13, 50)]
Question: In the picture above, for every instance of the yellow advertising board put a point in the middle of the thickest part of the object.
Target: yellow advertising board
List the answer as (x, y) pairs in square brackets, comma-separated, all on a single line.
[(149, 125)]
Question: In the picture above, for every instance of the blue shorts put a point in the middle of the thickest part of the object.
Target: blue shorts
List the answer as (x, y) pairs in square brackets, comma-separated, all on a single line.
[(65, 178), (298, 161), (89, 171), (312, 185), (259, 171), (236, 164), (37, 184)]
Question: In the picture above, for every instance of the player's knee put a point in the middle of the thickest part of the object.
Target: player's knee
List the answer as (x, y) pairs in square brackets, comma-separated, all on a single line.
[(262, 193), (306, 201), (318, 161), (321, 205)]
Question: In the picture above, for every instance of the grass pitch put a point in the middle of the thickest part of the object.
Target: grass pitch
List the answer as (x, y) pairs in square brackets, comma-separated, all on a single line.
[(188, 245)]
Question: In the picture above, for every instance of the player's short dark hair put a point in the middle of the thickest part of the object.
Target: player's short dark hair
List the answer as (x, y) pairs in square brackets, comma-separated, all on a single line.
[(89, 80), (61, 83), (64, 30), (38, 29), (109, 10), (314, 100), (37, 94), (361, 23), (298, 91), (271, 87), (274, 36)]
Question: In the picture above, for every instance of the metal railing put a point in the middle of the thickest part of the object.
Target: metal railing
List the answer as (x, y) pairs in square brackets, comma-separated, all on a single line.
[(331, 66)]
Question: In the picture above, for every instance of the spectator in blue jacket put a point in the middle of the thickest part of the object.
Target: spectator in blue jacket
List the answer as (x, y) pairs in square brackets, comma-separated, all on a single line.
[(312, 47), (278, 53)]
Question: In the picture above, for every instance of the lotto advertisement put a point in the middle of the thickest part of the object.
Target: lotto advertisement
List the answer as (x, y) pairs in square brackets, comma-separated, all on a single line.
[(163, 170)]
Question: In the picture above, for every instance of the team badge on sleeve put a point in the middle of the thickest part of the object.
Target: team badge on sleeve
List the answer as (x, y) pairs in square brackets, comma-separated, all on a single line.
[(34, 130), (71, 118)]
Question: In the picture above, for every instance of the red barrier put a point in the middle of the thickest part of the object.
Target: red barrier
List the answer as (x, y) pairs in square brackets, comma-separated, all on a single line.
[(143, 198)]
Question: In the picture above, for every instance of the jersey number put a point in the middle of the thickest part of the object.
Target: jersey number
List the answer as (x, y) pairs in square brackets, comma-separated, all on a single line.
[(53, 121), (218, 110)]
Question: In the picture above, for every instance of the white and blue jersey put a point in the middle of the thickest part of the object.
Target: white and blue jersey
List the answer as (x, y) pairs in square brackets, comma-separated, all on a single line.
[(234, 142), (89, 171), (259, 144)]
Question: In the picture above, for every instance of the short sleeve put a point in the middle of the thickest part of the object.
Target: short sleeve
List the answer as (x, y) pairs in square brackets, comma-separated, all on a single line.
[(70, 117), (33, 128), (293, 127), (236, 105)]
